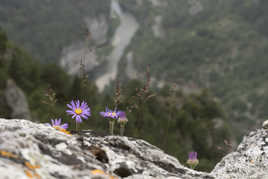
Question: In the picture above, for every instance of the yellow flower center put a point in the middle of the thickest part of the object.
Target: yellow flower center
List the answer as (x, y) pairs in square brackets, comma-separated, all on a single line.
[(113, 114), (78, 111)]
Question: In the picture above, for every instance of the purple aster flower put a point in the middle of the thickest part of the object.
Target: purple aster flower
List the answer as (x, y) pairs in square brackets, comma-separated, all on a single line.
[(106, 113), (192, 160), (122, 118), (110, 114), (113, 114), (57, 123), (192, 156), (78, 111)]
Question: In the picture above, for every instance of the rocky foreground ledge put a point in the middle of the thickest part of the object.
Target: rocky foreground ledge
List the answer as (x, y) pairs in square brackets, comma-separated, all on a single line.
[(31, 150)]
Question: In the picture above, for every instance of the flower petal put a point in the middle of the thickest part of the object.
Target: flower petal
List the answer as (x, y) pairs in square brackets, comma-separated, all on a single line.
[(86, 113), (77, 104), (73, 104), (69, 106), (70, 112), (107, 109), (52, 122), (64, 126), (78, 119), (58, 122), (84, 116), (121, 114), (74, 116), (84, 105), (102, 114)]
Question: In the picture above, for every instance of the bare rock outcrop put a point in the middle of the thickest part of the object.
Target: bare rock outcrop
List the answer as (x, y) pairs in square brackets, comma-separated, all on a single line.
[(73, 56), (32, 150), (249, 161), (17, 101), (85, 51), (38, 149)]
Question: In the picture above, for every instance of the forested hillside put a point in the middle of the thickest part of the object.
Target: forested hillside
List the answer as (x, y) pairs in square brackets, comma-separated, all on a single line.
[(45, 27), (216, 46), (219, 45), (167, 113)]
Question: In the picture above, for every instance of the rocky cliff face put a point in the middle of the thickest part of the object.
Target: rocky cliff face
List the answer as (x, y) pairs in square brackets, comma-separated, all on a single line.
[(73, 56), (98, 28), (31, 150)]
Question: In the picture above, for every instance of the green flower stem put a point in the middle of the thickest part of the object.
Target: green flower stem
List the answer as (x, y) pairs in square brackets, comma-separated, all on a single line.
[(76, 126), (193, 166), (122, 129), (111, 127)]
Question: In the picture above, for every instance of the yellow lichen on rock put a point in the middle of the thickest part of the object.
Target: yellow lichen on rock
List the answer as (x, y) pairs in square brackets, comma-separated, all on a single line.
[(100, 172), (7, 154)]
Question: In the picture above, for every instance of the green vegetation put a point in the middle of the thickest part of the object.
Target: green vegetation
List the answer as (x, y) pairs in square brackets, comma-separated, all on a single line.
[(187, 122), (44, 28), (223, 49)]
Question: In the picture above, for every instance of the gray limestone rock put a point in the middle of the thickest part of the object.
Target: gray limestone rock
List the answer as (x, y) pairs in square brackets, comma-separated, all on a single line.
[(249, 161), (17, 101), (75, 156), (28, 148), (97, 28), (73, 55)]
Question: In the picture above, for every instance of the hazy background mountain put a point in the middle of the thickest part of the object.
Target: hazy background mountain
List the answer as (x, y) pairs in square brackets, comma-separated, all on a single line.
[(217, 45)]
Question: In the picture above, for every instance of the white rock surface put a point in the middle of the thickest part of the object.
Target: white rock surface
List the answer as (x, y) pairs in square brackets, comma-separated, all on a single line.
[(75, 156), (59, 155), (249, 161)]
